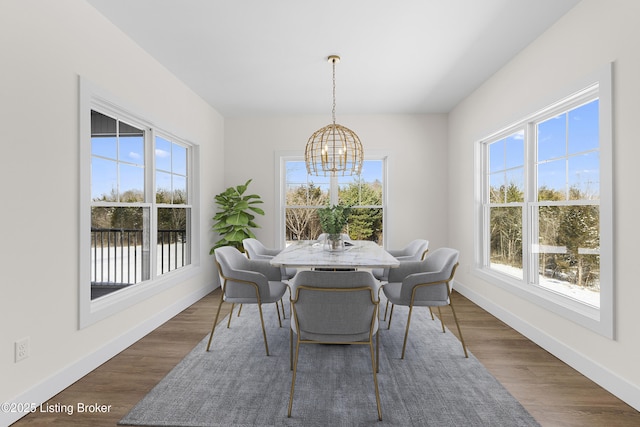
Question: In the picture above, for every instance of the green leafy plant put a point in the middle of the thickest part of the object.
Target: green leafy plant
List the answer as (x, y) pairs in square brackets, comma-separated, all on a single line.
[(234, 219), (333, 219)]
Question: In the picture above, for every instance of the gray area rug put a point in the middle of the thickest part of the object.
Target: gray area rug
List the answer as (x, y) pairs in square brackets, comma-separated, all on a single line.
[(236, 384)]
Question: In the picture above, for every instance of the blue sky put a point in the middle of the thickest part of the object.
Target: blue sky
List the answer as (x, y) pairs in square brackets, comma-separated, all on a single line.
[(567, 153), (123, 159)]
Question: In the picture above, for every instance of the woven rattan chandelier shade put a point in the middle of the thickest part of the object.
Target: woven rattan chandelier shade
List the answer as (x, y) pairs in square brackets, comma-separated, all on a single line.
[(334, 149)]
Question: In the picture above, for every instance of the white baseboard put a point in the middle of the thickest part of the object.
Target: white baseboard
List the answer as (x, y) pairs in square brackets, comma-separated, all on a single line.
[(599, 374), (62, 379)]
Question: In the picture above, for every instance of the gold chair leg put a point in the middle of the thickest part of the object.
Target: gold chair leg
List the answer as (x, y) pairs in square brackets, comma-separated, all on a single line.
[(406, 334), (291, 349), (264, 331), (441, 321), (284, 315), (375, 379), (464, 347), (386, 307), (293, 378), (239, 310), (390, 316), (378, 350), (230, 316), (431, 312), (278, 311), (213, 328)]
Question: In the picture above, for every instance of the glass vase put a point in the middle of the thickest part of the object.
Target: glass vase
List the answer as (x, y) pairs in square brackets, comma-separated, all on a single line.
[(333, 243)]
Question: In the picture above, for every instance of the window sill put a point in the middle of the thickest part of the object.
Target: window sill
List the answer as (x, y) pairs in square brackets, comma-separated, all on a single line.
[(95, 310), (599, 320)]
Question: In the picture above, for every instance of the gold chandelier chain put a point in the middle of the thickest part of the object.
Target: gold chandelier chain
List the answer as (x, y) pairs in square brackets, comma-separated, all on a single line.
[(333, 110)]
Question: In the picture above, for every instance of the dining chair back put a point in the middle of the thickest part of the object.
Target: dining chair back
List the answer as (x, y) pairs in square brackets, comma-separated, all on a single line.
[(415, 250), (338, 307), (256, 250)]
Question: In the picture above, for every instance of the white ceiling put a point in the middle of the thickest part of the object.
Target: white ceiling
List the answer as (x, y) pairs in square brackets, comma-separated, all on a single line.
[(265, 57)]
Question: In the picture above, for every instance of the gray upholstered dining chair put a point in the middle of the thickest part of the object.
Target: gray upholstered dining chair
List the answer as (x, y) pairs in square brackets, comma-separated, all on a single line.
[(256, 250), (247, 281), (338, 307), (414, 251), (425, 283)]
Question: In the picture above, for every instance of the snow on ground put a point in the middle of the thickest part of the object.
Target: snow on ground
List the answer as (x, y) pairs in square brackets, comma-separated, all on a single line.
[(568, 289)]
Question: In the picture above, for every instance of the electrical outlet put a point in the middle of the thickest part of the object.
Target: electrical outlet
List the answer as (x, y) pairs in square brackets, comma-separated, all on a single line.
[(22, 349)]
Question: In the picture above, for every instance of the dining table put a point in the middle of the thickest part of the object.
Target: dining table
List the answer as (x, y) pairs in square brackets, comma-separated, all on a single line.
[(355, 254)]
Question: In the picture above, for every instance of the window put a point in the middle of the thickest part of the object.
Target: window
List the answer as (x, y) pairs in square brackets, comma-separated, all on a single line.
[(506, 201), (124, 226), (119, 240), (173, 211), (136, 190), (545, 224), (302, 194)]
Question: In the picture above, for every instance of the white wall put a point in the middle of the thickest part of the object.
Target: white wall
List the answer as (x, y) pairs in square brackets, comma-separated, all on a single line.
[(589, 36), (44, 47), (416, 146)]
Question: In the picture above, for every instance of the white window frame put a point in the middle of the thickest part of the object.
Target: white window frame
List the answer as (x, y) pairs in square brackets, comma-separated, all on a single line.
[(600, 320), (280, 160), (93, 97)]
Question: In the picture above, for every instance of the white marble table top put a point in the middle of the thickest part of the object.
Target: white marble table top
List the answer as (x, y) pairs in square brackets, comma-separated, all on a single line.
[(310, 253)]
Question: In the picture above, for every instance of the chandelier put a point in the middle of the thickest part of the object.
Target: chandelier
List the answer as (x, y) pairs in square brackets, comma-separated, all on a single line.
[(334, 149)]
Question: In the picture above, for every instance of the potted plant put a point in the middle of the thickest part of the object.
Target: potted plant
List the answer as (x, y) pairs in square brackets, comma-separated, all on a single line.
[(234, 219), (333, 220)]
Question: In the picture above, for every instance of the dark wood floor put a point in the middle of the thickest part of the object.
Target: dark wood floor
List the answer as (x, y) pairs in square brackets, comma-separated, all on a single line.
[(555, 394)]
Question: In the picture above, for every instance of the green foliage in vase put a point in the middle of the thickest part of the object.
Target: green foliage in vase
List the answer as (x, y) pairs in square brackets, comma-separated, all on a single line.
[(333, 219), (234, 220)]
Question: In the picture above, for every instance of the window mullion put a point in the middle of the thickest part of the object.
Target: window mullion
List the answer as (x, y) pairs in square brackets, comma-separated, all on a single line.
[(530, 220), (150, 167), (150, 197), (333, 190), (485, 249)]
